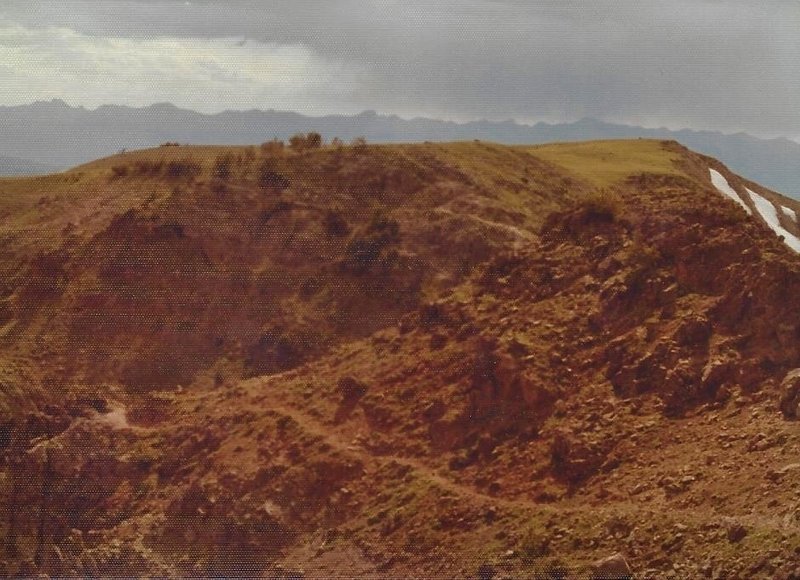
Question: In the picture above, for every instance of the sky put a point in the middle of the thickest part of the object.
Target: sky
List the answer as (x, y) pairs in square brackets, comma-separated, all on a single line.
[(726, 65)]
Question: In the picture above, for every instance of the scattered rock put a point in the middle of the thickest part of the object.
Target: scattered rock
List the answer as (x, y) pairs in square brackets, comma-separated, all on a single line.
[(350, 389), (612, 568), (434, 411), (27, 568), (676, 485), (736, 532), (673, 543), (693, 331), (762, 442), (790, 394), (718, 371), (281, 573), (405, 324), (438, 341), (779, 474), (486, 572), (432, 314), (574, 459), (55, 562)]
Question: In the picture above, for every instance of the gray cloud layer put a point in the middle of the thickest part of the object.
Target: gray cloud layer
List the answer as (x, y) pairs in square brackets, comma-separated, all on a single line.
[(729, 65)]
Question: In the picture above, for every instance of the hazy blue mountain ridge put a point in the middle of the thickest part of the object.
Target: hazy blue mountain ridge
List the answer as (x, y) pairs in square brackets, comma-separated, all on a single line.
[(55, 135), (10, 166)]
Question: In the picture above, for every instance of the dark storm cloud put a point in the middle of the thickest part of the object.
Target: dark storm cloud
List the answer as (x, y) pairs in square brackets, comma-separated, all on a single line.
[(721, 64)]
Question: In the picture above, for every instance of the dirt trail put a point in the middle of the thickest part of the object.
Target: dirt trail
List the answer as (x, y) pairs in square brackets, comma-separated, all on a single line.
[(313, 427), (680, 514), (508, 228), (117, 418)]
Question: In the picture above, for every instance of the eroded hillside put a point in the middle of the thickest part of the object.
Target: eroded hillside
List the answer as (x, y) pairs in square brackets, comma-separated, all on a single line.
[(440, 360)]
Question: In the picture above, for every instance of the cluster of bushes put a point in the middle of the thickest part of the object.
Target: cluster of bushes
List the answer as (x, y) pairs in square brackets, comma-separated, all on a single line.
[(371, 246), (359, 144), (306, 141), (185, 168), (279, 349), (644, 259), (147, 167), (270, 178), (267, 174), (303, 142), (603, 205), (223, 166), (297, 143), (119, 171), (273, 148)]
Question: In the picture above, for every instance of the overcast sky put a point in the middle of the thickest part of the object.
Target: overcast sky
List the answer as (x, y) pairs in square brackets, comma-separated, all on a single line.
[(729, 65)]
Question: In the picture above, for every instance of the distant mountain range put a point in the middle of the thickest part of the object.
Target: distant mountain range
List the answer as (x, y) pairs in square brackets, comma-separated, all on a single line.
[(55, 135), (16, 166)]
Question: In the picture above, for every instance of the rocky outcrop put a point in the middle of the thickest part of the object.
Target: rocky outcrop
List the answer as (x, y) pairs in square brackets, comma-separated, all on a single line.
[(790, 395)]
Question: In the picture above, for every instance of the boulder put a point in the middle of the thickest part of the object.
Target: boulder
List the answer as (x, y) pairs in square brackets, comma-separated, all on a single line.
[(693, 331), (735, 532), (574, 459), (790, 394), (614, 567), (778, 474), (718, 371)]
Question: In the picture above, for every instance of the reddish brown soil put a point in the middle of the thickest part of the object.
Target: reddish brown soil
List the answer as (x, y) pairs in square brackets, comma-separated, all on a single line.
[(419, 361)]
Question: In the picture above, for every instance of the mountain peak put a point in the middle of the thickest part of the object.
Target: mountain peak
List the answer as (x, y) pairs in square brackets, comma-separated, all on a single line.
[(589, 122), (163, 107), (53, 104)]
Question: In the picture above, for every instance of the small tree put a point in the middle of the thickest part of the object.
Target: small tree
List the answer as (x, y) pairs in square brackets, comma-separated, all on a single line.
[(602, 205), (119, 171), (369, 247), (147, 167), (273, 148), (223, 166), (270, 178), (301, 142), (297, 142), (183, 168), (313, 140)]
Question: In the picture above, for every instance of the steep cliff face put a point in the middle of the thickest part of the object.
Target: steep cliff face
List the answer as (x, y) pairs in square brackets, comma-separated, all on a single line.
[(447, 359)]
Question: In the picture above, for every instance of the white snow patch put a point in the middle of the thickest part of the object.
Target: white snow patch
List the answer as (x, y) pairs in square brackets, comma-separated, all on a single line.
[(770, 215), (790, 213), (724, 188)]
